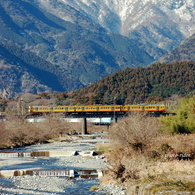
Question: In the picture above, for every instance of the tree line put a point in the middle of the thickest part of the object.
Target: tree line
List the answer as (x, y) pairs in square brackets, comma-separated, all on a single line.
[(140, 85)]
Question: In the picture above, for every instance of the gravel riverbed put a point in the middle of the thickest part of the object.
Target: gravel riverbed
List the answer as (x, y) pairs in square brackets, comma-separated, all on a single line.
[(46, 185)]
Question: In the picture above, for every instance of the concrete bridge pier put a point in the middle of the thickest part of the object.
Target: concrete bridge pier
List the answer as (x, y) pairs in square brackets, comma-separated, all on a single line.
[(84, 126), (115, 119)]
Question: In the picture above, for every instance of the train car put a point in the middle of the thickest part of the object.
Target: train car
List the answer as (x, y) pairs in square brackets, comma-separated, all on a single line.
[(155, 108), (85, 109), (107, 108), (129, 108), (38, 109), (47, 109), (146, 108)]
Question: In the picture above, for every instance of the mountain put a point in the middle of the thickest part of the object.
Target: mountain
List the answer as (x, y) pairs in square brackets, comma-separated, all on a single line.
[(61, 45), (159, 26), (74, 55), (184, 52), (139, 85)]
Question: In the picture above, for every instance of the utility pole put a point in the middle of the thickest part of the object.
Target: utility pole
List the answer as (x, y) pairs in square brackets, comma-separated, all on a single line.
[(21, 108), (115, 118)]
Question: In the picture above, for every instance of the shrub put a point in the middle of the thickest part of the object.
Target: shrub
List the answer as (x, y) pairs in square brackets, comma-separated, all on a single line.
[(19, 132), (184, 120), (135, 132)]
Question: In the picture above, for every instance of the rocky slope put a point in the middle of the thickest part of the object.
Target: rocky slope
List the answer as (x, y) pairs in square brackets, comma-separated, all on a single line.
[(184, 52), (158, 25)]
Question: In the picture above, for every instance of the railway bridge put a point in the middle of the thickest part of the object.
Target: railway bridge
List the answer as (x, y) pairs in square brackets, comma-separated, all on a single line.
[(97, 111)]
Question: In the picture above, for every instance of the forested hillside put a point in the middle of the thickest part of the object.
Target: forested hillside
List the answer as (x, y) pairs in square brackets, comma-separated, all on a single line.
[(139, 85)]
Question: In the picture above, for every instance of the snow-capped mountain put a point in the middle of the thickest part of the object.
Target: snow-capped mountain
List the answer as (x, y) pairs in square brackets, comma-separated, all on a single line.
[(159, 25)]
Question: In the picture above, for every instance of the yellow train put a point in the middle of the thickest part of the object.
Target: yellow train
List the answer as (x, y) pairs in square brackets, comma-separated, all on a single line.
[(93, 109)]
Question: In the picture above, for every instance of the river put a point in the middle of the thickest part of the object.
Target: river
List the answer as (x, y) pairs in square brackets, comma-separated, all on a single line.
[(47, 168)]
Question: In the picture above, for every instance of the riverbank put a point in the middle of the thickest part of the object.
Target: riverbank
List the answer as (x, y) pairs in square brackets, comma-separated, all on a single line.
[(83, 146)]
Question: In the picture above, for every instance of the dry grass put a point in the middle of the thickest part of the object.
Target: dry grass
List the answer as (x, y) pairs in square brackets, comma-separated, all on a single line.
[(16, 132), (144, 161), (172, 147)]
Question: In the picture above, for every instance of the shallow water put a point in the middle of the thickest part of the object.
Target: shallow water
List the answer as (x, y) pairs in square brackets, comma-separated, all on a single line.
[(80, 187)]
